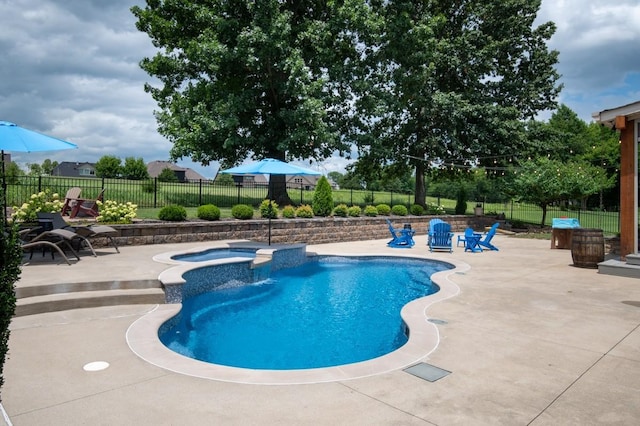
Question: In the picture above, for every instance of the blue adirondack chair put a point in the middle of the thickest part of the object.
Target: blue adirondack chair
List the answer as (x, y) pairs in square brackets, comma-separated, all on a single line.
[(442, 237), (486, 241), (432, 223), (470, 240), (402, 238)]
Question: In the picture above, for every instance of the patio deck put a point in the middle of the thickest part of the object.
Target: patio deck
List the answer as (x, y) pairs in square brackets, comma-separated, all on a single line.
[(529, 339)]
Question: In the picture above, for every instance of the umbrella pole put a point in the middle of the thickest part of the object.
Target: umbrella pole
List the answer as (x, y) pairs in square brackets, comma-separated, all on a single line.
[(270, 207)]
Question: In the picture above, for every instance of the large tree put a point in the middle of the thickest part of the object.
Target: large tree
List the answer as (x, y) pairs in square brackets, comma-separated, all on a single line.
[(242, 79), (453, 82)]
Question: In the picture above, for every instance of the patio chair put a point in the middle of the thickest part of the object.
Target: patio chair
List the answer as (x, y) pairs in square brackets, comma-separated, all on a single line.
[(87, 207), (430, 231), (70, 200), (441, 238), (56, 221), (486, 241), (470, 240), (52, 239), (402, 238)]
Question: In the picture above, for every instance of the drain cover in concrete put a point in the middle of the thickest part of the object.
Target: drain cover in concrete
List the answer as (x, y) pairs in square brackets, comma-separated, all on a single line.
[(427, 372)]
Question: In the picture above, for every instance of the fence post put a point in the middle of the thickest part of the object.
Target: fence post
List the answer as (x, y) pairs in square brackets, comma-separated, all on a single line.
[(301, 192), (391, 197), (200, 192), (39, 183), (351, 194), (238, 185), (155, 192)]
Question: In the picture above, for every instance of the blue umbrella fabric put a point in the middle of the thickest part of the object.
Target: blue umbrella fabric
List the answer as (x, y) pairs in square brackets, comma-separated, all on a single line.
[(16, 138), (269, 166)]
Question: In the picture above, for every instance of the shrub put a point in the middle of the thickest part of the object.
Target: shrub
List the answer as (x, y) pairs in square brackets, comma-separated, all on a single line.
[(341, 210), (114, 212), (242, 211), (267, 212), (370, 211), (172, 213), (433, 208), (11, 253), (43, 201), (305, 211), (289, 212), (399, 210), (383, 209), (208, 212), (355, 211), (322, 198), (417, 210), (461, 201)]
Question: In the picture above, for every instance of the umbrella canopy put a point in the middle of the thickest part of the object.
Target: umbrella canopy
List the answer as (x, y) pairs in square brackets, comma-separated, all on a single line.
[(16, 138), (269, 166)]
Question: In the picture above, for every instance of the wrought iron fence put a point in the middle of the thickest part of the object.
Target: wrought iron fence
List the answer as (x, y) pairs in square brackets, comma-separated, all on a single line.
[(153, 194)]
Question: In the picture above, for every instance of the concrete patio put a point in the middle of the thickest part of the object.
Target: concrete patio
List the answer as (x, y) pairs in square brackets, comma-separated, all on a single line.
[(529, 339)]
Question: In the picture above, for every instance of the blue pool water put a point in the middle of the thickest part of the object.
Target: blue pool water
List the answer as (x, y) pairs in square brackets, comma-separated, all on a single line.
[(216, 254), (324, 313)]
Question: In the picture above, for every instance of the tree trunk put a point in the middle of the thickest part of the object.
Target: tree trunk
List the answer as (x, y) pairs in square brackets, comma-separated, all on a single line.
[(544, 214), (278, 190)]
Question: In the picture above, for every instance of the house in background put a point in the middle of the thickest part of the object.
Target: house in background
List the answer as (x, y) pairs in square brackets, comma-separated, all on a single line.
[(74, 169), (183, 174)]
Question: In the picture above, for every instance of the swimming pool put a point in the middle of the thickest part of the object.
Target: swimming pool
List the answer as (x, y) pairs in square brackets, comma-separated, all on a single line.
[(216, 253), (327, 312)]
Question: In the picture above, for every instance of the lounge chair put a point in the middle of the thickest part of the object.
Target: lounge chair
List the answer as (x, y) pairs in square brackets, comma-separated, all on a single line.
[(87, 207), (402, 238), (441, 238), (70, 200), (52, 239), (486, 241), (56, 221)]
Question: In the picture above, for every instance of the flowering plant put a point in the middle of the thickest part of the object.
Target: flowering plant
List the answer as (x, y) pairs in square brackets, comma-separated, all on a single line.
[(433, 208), (114, 212), (43, 201)]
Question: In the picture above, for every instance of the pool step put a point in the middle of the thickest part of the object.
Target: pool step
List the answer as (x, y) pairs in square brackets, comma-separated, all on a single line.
[(61, 297)]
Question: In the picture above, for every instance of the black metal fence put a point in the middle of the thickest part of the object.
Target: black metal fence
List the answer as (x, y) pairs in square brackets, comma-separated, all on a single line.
[(154, 194)]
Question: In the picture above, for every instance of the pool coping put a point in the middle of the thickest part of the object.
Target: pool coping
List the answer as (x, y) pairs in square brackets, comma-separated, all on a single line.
[(142, 338)]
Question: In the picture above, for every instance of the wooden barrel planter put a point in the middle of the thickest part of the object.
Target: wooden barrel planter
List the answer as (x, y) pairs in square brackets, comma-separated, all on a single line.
[(587, 247)]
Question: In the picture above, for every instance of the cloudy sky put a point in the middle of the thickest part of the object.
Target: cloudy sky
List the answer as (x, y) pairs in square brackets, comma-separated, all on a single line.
[(69, 68)]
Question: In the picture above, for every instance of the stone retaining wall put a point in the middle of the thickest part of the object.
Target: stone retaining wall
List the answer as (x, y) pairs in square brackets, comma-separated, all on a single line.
[(309, 231)]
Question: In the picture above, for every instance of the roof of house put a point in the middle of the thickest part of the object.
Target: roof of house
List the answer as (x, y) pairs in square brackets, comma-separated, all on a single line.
[(71, 168), (156, 167)]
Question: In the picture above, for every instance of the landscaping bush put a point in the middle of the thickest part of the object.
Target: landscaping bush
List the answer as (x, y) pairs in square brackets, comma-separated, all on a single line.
[(114, 212), (172, 213), (289, 212), (383, 209), (399, 210), (43, 201), (322, 198), (461, 201), (304, 211), (370, 211), (417, 210), (355, 211), (9, 273), (208, 212), (242, 211), (433, 208), (267, 212), (341, 210)]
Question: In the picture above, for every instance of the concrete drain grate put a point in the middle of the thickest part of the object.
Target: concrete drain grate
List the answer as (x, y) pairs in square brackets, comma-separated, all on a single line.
[(427, 372)]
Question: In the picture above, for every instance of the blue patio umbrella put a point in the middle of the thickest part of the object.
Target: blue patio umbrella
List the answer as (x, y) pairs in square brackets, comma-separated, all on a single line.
[(16, 138), (270, 166)]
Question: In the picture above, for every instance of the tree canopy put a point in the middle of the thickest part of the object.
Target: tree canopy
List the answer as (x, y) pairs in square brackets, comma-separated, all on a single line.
[(242, 79), (453, 81)]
